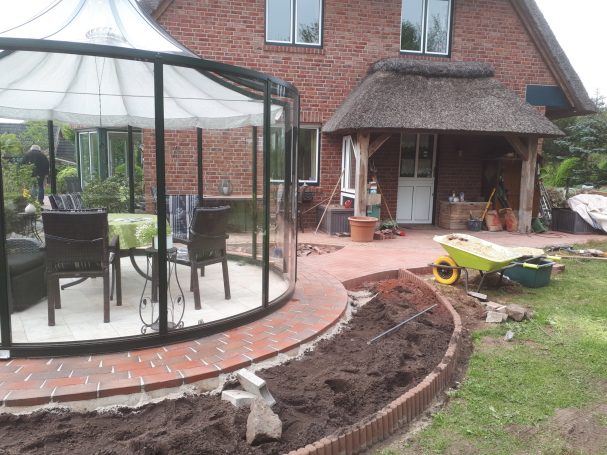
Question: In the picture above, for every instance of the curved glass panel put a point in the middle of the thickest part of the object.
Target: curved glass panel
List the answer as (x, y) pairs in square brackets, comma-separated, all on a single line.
[(89, 266)]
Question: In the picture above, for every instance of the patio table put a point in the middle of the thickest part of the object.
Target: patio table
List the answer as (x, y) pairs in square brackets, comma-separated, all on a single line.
[(125, 225)]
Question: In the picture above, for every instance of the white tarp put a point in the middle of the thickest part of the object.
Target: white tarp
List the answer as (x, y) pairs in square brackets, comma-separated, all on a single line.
[(592, 208), (99, 91)]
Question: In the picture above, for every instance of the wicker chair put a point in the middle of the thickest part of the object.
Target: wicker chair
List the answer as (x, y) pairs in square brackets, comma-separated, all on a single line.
[(77, 246), (207, 245), (26, 277)]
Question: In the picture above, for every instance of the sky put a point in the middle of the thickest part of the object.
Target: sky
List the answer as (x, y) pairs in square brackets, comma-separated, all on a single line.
[(581, 29)]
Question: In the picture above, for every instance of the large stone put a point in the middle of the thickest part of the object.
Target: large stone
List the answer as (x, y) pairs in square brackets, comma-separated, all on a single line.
[(496, 318), (263, 425), (516, 312)]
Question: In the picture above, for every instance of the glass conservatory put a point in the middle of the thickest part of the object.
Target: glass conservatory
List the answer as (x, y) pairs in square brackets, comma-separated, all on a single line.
[(184, 223)]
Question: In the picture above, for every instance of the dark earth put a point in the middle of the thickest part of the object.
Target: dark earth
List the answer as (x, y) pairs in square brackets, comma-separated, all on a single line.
[(338, 383)]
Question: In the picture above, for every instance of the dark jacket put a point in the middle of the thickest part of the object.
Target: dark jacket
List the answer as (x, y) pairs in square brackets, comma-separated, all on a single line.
[(39, 160)]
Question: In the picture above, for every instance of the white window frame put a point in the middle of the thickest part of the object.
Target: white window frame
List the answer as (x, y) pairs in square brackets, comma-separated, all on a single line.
[(424, 46), (345, 165), (293, 31), (417, 143), (317, 128)]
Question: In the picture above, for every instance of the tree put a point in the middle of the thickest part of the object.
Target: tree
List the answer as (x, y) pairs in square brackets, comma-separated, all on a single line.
[(35, 133), (586, 140)]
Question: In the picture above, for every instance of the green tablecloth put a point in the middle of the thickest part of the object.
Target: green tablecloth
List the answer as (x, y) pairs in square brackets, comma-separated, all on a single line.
[(124, 225)]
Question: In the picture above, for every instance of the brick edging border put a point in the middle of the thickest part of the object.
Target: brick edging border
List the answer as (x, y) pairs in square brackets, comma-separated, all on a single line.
[(385, 422)]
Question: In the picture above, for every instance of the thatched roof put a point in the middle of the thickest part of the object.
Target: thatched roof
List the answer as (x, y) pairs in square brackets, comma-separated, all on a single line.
[(437, 96), (557, 60)]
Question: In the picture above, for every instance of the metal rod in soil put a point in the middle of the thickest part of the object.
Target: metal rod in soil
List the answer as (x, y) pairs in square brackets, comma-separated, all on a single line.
[(400, 324)]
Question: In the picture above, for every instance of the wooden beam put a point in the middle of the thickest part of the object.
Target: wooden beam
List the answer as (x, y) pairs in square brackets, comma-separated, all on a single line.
[(377, 143), (525, 211), (362, 165), (519, 146)]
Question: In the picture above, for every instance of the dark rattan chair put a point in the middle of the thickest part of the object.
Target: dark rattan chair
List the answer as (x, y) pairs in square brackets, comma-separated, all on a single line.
[(77, 246), (26, 277), (207, 245)]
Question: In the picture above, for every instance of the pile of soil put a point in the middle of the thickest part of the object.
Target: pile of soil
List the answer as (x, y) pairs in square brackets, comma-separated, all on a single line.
[(339, 382)]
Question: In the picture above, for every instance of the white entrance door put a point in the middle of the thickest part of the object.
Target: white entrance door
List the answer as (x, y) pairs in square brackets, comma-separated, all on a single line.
[(416, 178)]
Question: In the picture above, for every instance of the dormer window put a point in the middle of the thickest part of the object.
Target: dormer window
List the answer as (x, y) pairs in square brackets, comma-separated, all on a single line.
[(297, 22), (426, 26)]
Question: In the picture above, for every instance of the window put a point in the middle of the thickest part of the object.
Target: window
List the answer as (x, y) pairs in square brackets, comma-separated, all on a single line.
[(294, 22), (307, 154), (426, 26), (417, 153), (348, 165)]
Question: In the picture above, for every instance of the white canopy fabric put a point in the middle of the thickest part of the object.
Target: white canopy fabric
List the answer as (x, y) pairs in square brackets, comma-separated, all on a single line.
[(101, 91)]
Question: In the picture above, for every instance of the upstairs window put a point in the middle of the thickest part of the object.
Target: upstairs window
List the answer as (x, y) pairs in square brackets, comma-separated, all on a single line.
[(294, 22), (426, 26)]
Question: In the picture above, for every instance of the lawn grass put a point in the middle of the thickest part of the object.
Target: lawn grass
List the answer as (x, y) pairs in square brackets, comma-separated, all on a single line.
[(512, 389)]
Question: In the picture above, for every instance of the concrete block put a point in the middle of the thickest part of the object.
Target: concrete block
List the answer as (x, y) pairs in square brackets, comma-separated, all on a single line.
[(493, 306), (238, 398), (255, 385), (496, 318)]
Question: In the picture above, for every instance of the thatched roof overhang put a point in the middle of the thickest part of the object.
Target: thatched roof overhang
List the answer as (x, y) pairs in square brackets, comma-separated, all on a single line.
[(454, 97)]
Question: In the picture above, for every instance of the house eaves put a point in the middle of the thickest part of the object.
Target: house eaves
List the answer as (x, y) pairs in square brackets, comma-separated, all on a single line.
[(556, 59)]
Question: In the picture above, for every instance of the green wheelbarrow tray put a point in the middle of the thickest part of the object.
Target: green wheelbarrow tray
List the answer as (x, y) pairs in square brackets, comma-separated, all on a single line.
[(471, 252)]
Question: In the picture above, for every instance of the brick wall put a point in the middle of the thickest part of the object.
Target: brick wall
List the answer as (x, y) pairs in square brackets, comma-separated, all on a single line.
[(356, 34)]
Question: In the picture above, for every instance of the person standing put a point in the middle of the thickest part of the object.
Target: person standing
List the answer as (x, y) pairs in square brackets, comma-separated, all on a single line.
[(41, 168)]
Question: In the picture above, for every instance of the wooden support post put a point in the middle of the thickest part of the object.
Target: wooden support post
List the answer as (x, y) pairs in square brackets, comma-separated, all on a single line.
[(528, 166), (377, 143), (362, 165)]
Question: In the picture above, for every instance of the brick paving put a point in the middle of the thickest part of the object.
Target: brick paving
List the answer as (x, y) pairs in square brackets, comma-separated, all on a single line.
[(318, 303)]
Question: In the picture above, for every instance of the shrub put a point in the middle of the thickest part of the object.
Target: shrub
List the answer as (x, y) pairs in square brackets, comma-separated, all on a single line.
[(111, 194), (63, 174)]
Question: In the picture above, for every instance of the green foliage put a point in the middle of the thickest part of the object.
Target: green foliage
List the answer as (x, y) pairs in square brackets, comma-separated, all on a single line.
[(35, 133), (16, 177), (68, 133), (68, 171), (138, 173), (110, 193), (586, 140), (555, 361), (565, 170), (10, 145)]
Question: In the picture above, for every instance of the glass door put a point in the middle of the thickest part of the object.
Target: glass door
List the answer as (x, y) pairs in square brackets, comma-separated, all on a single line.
[(416, 178)]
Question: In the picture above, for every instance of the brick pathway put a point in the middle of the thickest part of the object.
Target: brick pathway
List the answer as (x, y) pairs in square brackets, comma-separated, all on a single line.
[(318, 303)]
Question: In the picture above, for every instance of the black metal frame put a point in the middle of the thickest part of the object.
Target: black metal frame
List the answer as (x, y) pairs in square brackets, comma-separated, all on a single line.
[(232, 75)]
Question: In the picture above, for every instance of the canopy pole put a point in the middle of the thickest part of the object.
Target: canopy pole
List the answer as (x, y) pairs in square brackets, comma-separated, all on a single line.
[(266, 192), (254, 192), (130, 166), (161, 195), (51, 157), (5, 316), (200, 175)]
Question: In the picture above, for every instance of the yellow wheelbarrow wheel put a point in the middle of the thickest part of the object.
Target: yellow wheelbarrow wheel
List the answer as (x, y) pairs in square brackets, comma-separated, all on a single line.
[(445, 275)]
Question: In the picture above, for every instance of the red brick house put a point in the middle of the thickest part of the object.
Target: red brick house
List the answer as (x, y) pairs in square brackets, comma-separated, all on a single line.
[(456, 111)]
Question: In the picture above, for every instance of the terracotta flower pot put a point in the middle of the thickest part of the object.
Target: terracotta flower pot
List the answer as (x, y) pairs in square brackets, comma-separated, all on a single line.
[(362, 228)]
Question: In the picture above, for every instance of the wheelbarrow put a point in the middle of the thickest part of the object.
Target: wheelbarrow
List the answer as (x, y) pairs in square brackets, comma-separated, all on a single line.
[(468, 252)]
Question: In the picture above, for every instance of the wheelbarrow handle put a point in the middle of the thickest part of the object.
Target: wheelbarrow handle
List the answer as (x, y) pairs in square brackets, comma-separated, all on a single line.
[(554, 258), (530, 266)]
